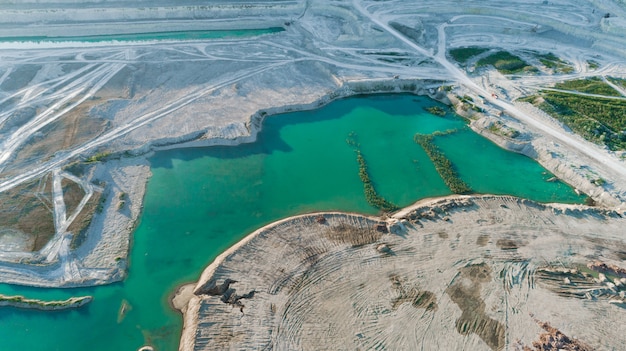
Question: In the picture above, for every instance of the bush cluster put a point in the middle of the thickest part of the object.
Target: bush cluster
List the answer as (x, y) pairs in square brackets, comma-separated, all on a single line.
[(444, 167)]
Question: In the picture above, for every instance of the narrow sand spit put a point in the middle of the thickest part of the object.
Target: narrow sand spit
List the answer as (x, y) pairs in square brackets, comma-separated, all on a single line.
[(473, 272)]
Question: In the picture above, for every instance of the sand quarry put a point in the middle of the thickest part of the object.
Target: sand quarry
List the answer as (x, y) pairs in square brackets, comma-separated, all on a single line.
[(78, 119), (479, 273)]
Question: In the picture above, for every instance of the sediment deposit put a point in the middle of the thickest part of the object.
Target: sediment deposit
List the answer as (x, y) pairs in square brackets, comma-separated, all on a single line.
[(473, 272)]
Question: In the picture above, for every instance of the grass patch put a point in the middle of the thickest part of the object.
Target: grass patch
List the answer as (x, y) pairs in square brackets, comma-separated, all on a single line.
[(506, 63), (98, 157), (443, 165), (617, 81), (371, 195), (591, 85), (554, 62), (436, 110), (599, 120), (592, 64), (461, 55)]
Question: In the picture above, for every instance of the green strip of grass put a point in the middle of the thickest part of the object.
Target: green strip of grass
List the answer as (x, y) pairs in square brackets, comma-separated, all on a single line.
[(554, 62), (591, 85), (461, 55), (506, 63), (371, 195), (599, 120), (443, 165), (618, 81)]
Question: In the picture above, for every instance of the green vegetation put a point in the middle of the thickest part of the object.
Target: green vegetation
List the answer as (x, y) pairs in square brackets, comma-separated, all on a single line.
[(618, 81), (98, 157), (591, 85), (100, 206), (461, 55), (467, 102), (552, 61), (506, 63), (600, 120), (444, 167), (500, 129), (122, 201), (592, 64), (372, 197), (444, 132), (436, 110)]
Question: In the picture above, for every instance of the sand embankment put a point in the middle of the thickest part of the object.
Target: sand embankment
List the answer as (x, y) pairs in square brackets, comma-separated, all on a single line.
[(35, 304), (478, 270)]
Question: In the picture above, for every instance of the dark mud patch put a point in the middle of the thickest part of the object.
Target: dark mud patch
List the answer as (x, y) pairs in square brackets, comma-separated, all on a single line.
[(465, 292), (412, 295), (509, 244), (482, 240)]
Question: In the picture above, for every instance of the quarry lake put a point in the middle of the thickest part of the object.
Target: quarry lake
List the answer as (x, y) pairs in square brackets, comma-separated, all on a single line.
[(201, 201), (155, 36)]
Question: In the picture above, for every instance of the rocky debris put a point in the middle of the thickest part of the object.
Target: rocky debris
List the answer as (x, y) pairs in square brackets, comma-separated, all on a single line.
[(398, 227), (570, 282), (383, 248), (214, 289), (382, 228), (320, 219), (439, 209), (602, 267), (227, 294), (554, 340)]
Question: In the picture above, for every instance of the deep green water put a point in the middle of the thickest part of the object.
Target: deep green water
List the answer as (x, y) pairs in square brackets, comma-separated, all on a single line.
[(158, 36), (201, 201)]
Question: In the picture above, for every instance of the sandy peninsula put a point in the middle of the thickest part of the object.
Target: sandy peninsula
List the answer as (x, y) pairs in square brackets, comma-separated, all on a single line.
[(477, 272)]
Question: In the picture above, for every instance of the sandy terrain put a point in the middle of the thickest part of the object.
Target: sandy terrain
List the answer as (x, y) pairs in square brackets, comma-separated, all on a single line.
[(479, 273)]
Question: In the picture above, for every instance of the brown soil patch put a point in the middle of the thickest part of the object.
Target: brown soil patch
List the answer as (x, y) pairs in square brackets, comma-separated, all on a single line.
[(347, 234), (465, 292), (553, 340), (74, 128), (28, 209), (509, 244), (72, 195), (417, 298), (80, 225), (482, 240)]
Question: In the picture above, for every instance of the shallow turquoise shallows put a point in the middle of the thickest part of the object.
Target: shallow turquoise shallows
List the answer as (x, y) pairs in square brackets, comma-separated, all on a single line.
[(201, 201), (158, 36)]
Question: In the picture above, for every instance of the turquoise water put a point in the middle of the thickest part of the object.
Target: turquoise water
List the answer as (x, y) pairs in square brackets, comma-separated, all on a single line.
[(158, 36), (201, 201)]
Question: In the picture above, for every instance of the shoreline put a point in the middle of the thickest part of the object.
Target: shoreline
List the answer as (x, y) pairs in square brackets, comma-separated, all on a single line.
[(248, 133), (436, 209), (184, 295)]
